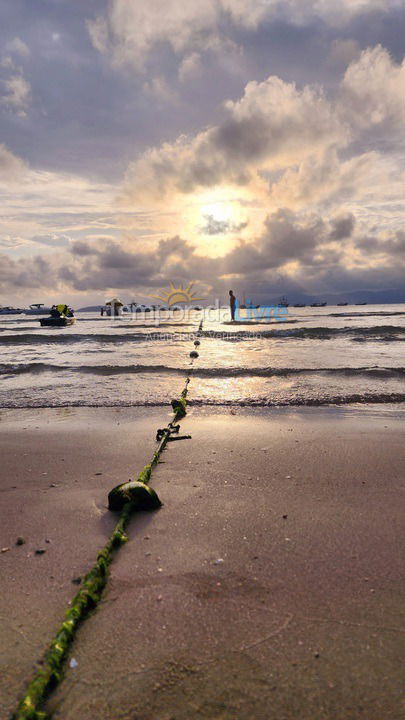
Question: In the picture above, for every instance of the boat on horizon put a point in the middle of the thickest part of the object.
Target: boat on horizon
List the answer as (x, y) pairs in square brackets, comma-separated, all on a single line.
[(299, 305), (342, 304), (362, 303), (318, 304), (283, 302), (37, 309), (8, 310)]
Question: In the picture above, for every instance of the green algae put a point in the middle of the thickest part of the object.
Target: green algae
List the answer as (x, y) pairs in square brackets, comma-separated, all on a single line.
[(50, 673)]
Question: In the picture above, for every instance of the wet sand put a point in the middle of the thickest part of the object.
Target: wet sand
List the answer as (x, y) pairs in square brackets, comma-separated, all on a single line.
[(268, 585)]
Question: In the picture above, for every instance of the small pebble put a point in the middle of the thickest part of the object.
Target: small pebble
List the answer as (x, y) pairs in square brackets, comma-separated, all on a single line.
[(76, 580), (53, 485), (40, 551), (285, 517), (5, 549), (218, 561), (98, 473), (73, 663), (20, 541), (316, 654)]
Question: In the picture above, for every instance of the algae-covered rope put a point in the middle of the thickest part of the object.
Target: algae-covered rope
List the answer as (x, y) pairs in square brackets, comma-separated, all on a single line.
[(128, 497)]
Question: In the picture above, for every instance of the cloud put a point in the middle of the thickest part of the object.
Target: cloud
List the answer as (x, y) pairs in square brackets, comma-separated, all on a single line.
[(190, 67), (18, 46), (16, 89), (129, 32), (36, 272), (293, 250), (213, 226), (158, 88), (342, 227), (273, 125), (373, 92), (17, 92), (51, 240), (295, 147), (11, 166)]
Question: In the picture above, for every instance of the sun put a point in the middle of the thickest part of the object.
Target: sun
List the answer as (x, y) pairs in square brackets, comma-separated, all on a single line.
[(176, 295), (219, 211)]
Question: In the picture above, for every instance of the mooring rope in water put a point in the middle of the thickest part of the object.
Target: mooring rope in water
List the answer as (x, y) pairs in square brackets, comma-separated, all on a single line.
[(128, 497)]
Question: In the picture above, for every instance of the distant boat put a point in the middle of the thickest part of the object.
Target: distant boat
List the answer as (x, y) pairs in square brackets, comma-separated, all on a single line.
[(283, 302), (342, 304), (318, 304), (300, 305), (8, 310), (37, 309), (363, 303)]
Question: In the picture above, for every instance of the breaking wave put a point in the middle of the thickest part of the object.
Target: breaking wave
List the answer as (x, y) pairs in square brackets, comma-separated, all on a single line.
[(208, 372), (297, 401), (380, 332)]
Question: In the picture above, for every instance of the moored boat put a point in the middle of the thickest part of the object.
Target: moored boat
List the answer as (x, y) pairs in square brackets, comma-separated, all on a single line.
[(8, 310), (37, 309)]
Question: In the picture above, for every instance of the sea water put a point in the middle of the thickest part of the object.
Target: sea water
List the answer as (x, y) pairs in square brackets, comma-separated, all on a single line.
[(302, 356)]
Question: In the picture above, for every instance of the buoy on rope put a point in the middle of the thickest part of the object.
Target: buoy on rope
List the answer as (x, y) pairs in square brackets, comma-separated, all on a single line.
[(143, 496), (194, 354)]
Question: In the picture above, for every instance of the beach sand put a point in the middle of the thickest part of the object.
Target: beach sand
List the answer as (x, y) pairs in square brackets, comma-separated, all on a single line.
[(266, 587)]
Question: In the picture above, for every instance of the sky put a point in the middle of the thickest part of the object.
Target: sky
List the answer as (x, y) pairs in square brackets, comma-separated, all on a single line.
[(256, 145)]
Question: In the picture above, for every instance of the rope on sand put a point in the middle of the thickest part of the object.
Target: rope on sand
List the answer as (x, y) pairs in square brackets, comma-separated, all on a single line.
[(128, 497)]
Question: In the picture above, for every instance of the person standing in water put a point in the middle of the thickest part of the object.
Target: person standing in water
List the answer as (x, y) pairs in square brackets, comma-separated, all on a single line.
[(232, 303)]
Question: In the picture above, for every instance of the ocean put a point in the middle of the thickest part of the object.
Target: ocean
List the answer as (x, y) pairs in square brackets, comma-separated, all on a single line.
[(312, 356)]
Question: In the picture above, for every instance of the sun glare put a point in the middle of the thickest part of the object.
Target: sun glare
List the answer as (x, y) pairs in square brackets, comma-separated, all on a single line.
[(219, 211)]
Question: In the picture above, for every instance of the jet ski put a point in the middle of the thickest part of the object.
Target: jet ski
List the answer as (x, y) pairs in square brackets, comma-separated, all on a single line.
[(61, 316), (57, 322)]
